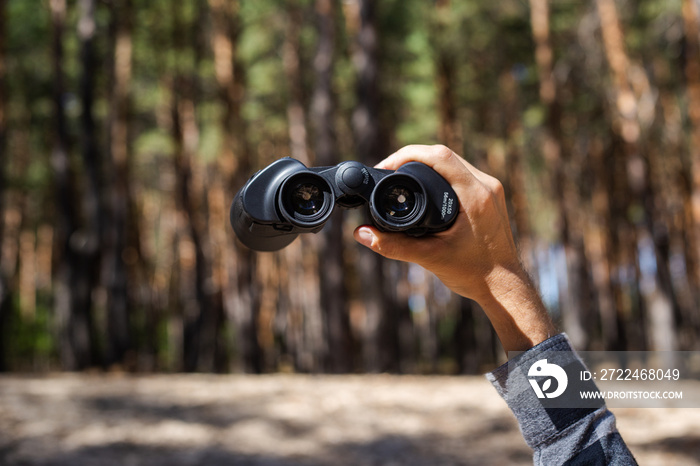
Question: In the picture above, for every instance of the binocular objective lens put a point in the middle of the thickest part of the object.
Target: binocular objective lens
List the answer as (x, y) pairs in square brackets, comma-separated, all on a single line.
[(399, 201), (307, 199)]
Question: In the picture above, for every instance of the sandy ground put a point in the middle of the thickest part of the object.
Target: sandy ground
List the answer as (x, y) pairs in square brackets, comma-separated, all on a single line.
[(289, 420)]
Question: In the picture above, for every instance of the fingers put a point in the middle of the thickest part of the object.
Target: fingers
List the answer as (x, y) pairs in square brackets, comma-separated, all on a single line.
[(444, 161), (429, 155), (396, 246)]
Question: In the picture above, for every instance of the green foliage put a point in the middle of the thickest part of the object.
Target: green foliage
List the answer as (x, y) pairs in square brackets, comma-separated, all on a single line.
[(152, 144), (31, 339), (418, 94)]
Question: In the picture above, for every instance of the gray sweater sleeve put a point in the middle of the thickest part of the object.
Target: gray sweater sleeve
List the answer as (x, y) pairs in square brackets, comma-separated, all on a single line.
[(559, 435)]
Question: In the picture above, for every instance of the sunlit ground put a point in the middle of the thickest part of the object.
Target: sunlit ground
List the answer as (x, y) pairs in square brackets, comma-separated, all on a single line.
[(289, 420)]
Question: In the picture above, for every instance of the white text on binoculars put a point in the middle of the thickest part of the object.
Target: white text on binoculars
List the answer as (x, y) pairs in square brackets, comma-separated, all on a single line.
[(446, 205)]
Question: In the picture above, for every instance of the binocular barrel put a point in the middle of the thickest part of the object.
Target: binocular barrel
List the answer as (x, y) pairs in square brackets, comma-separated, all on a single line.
[(287, 198)]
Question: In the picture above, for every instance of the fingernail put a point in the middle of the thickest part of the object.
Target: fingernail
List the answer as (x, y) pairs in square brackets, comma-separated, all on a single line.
[(365, 237)]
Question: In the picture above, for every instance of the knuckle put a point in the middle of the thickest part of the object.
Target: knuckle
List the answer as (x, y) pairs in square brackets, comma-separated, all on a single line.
[(497, 188), (442, 152)]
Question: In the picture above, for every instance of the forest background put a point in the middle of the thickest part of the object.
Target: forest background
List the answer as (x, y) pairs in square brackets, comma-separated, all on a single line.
[(126, 127)]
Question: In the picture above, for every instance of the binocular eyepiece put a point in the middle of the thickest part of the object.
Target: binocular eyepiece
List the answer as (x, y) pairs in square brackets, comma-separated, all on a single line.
[(287, 198)]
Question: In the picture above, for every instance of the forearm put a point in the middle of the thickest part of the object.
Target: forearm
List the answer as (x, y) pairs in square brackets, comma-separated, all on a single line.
[(515, 309)]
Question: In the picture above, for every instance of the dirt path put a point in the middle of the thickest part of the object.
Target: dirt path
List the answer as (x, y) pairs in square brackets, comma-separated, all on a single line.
[(289, 420)]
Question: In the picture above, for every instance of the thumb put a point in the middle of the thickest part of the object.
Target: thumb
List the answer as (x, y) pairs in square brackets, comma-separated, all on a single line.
[(396, 246)]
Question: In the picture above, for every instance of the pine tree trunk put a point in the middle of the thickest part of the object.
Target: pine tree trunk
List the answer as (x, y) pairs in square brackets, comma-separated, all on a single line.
[(4, 292), (304, 334), (514, 178), (199, 315), (365, 128), (365, 117), (656, 292), (563, 189), (449, 132), (296, 116), (598, 243), (118, 304), (691, 23), (74, 325), (384, 317), (87, 244), (338, 357), (240, 290)]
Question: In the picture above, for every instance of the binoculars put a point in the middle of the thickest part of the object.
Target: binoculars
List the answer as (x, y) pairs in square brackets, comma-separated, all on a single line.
[(286, 198)]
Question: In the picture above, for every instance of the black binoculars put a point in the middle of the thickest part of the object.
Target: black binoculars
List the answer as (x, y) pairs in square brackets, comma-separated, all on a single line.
[(287, 198)]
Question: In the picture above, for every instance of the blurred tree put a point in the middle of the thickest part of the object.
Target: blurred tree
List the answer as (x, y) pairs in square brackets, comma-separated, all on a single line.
[(201, 315), (383, 314), (242, 300), (564, 190), (691, 24), (338, 357), (118, 248), (644, 235), (4, 291), (88, 241), (73, 318), (446, 64), (296, 114)]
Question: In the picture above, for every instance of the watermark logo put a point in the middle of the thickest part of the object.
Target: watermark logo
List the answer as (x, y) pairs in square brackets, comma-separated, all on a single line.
[(545, 372)]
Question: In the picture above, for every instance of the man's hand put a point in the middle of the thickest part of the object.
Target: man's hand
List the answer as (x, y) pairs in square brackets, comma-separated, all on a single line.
[(476, 257)]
